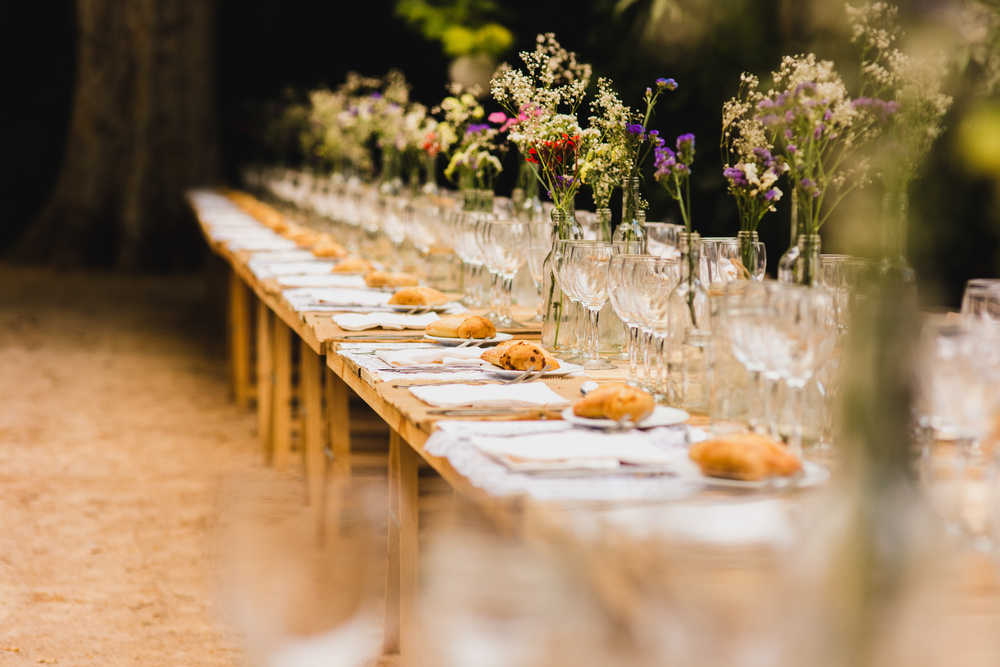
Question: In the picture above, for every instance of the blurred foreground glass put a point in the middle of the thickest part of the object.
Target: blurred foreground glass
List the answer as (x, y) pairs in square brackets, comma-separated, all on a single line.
[(303, 592), (586, 270), (982, 299)]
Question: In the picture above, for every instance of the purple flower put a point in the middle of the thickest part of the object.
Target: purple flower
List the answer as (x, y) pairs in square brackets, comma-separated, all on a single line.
[(654, 137), (475, 128), (818, 132), (668, 84), (772, 194), (735, 176), (792, 149), (880, 109), (685, 148), (636, 129), (376, 95), (809, 187)]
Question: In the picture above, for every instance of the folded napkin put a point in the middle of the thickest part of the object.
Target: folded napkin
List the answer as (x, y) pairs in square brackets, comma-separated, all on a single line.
[(334, 296), (395, 321), (581, 449), (322, 280), (449, 356), (535, 395)]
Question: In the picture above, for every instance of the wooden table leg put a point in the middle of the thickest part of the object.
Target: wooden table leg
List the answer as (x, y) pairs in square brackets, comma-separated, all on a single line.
[(401, 623), (240, 336), (282, 422), (311, 395), (338, 423), (265, 378)]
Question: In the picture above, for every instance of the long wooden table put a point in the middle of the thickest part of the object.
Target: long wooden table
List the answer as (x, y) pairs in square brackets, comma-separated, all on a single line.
[(287, 364)]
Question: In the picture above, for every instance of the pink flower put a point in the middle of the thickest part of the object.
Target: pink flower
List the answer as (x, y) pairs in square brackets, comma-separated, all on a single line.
[(497, 117)]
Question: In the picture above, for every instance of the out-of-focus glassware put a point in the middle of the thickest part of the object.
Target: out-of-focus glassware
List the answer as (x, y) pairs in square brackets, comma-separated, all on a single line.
[(982, 298), (689, 349), (557, 319), (802, 333), (652, 280), (619, 292), (539, 246)]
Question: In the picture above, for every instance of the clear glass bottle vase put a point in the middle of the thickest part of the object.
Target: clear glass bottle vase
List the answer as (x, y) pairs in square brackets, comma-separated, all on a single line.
[(558, 316), (747, 244), (633, 225), (689, 339), (895, 213)]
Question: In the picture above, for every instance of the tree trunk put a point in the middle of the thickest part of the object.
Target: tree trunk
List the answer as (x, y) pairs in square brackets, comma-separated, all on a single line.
[(142, 129)]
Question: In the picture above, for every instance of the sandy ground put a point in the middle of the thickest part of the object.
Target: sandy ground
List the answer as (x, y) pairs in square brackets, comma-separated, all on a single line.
[(117, 433)]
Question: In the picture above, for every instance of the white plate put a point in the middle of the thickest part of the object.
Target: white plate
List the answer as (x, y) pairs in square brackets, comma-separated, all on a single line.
[(455, 342), (812, 474), (661, 416), (421, 309), (564, 369)]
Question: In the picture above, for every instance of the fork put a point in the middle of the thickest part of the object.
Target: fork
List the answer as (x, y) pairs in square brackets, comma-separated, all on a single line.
[(527, 376)]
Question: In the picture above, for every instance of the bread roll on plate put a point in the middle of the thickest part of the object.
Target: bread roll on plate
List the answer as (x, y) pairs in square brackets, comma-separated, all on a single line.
[(520, 355), (462, 326), (389, 279), (418, 296), (615, 400), (353, 265), (749, 457)]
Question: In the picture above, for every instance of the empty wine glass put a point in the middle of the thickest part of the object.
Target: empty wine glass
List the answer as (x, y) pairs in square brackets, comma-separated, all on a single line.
[(586, 269), (539, 245), (651, 281), (744, 313), (467, 249), (730, 264), (506, 251), (619, 292), (802, 332), (574, 350)]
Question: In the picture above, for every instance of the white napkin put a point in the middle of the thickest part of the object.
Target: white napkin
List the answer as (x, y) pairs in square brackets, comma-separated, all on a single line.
[(322, 280), (395, 321), (581, 449), (531, 395), (333, 296), (307, 266), (449, 356)]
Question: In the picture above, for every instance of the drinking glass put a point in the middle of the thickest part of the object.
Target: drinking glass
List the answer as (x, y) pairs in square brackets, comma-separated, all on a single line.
[(486, 251), (730, 265), (559, 251), (586, 269), (982, 298), (744, 312), (619, 292), (651, 280), (467, 249), (802, 332), (539, 245), (506, 251)]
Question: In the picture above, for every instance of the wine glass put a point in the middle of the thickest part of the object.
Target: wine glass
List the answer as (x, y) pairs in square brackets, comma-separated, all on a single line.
[(651, 280), (467, 249), (619, 292), (743, 314), (802, 331), (506, 251), (586, 269), (486, 251), (559, 250), (539, 245), (730, 264)]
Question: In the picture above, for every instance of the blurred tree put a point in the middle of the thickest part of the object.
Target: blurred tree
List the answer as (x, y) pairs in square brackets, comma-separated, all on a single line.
[(142, 129)]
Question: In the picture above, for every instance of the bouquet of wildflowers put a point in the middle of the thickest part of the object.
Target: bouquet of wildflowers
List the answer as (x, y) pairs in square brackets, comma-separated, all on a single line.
[(917, 104), (673, 171), (750, 168), (820, 129), (623, 141), (542, 101), (473, 147)]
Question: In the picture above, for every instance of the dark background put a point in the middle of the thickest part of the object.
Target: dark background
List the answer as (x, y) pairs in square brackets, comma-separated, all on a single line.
[(265, 48)]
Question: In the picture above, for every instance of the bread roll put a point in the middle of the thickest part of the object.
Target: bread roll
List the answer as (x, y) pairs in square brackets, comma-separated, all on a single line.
[(418, 296), (353, 265), (462, 326), (615, 400), (327, 246), (387, 279), (744, 456), (519, 355)]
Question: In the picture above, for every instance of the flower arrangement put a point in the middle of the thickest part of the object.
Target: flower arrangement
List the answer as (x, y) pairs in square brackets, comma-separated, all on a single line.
[(914, 85), (820, 129), (673, 171), (542, 100), (751, 170), (473, 147)]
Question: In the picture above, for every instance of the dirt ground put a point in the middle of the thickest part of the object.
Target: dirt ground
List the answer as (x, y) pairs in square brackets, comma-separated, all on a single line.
[(117, 433)]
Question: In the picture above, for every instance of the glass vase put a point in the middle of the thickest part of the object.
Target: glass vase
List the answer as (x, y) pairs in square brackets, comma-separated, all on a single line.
[(689, 338), (895, 213), (558, 317), (632, 227), (803, 267), (747, 243)]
